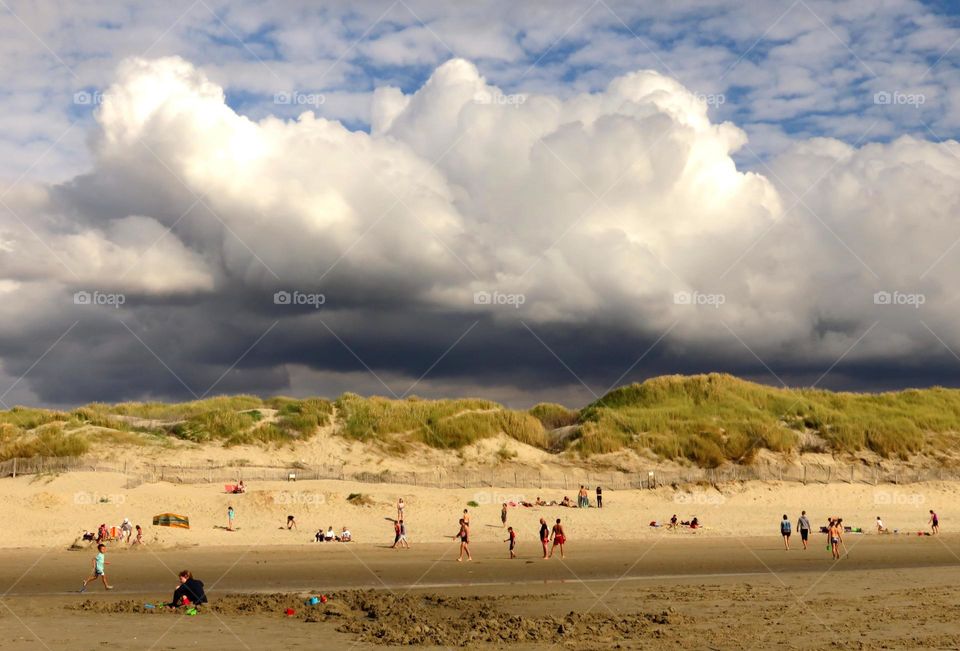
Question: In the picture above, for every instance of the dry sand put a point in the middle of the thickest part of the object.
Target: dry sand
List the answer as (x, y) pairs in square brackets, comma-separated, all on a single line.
[(54, 510)]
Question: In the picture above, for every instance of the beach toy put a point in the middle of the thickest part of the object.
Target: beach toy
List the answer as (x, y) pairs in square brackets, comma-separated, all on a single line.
[(313, 601), (192, 611), (186, 601), (323, 598), (149, 606), (291, 612)]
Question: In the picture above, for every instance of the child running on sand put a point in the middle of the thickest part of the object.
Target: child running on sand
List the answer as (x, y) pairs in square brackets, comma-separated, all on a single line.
[(558, 539), (544, 536), (512, 539), (464, 536), (98, 569)]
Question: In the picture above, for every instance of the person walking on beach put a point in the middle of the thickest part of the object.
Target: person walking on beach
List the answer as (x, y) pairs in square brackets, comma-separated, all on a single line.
[(803, 526), (512, 539), (599, 498), (464, 536), (934, 523), (230, 515), (503, 514), (835, 539), (785, 532), (396, 534), (544, 536), (558, 539), (98, 569), (403, 535)]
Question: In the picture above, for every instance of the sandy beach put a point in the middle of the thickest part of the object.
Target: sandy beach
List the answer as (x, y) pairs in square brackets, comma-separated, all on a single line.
[(60, 507), (624, 584), (690, 593)]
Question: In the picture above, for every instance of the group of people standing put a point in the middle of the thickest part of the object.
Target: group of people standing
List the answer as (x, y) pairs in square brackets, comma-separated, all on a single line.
[(834, 531)]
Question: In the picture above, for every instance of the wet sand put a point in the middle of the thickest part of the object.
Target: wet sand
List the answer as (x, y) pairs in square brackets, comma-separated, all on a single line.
[(681, 592)]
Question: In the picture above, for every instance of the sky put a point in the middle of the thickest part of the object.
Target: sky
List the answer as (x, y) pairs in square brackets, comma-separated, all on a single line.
[(523, 201)]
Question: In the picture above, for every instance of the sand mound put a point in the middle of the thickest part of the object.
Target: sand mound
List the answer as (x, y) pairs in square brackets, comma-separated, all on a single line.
[(426, 619)]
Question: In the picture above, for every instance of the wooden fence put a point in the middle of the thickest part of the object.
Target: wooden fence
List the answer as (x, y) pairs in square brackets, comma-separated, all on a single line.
[(494, 477)]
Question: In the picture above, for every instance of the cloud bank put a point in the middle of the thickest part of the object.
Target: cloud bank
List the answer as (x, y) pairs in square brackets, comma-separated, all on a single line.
[(476, 236)]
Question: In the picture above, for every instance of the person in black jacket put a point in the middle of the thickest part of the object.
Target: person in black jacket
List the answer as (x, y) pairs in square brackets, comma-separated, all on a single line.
[(190, 588)]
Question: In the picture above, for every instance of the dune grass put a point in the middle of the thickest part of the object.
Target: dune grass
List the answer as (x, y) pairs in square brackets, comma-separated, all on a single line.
[(711, 419), (708, 420)]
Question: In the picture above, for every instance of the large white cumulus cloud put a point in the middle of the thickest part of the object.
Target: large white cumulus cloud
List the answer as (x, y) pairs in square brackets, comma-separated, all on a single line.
[(598, 208)]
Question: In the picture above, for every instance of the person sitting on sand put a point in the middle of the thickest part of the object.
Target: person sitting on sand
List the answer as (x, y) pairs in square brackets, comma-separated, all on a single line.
[(240, 487), (565, 501), (540, 502), (291, 522), (319, 535), (89, 536), (345, 535), (673, 522), (330, 536), (189, 592)]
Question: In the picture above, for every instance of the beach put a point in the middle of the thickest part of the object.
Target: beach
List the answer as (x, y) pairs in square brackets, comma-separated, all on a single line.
[(727, 585), (690, 593)]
